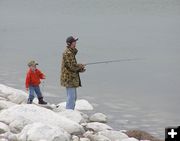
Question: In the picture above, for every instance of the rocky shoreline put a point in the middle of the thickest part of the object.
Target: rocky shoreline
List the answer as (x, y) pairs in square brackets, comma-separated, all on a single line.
[(23, 122)]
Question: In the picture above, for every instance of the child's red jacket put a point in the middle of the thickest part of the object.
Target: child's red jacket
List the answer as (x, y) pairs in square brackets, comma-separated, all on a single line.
[(33, 78)]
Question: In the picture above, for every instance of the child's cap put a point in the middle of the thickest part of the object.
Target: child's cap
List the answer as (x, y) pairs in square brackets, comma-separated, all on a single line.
[(32, 63)]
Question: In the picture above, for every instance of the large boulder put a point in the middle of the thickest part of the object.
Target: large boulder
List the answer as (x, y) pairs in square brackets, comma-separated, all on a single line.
[(96, 126), (3, 128), (72, 115), (81, 104), (6, 104), (18, 124), (40, 131), (113, 135), (14, 95), (32, 113), (98, 117)]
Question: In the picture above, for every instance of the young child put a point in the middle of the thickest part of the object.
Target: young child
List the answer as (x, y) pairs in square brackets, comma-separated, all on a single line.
[(33, 81)]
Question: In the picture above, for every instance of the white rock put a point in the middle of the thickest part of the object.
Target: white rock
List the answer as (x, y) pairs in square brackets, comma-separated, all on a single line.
[(75, 138), (114, 135), (33, 113), (14, 95), (5, 104), (96, 126), (17, 98), (85, 116), (47, 106), (18, 124), (72, 115), (2, 98), (3, 128), (97, 137), (59, 108), (87, 133), (84, 139), (80, 105), (98, 117), (130, 139), (3, 139), (39, 131), (10, 136)]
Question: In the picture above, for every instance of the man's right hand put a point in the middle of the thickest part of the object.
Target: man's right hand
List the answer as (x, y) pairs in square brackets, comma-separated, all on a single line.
[(82, 66)]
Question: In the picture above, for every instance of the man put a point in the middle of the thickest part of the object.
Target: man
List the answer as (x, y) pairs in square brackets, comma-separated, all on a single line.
[(70, 72)]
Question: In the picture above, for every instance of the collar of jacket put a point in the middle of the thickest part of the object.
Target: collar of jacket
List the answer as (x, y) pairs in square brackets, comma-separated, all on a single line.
[(32, 71), (73, 50)]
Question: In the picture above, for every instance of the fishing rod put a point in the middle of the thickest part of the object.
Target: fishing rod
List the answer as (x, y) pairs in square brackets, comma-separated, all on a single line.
[(112, 61)]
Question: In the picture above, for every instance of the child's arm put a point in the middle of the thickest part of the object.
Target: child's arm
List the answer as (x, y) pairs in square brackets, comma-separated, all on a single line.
[(41, 75)]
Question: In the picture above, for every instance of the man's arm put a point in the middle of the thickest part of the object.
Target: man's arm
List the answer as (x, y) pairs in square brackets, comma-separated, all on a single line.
[(71, 64)]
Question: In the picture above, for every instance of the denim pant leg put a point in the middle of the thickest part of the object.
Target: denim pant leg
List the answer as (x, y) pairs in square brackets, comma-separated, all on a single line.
[(71, 98), (38, 91), (31, 93)]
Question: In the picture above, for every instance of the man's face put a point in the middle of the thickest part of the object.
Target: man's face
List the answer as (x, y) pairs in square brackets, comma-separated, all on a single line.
[(73, 44)]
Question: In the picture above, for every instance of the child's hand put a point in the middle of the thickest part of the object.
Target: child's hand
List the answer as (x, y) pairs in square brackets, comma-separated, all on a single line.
[(44, 77)]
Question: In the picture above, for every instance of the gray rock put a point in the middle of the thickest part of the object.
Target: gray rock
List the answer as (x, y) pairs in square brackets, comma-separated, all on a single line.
[(141, 135), (72, 115), (10, 136), (75, 138), (98, 117), (39, 131), (84, 139), (2, 98), (18, 124), (96, 126), (14, 95), (130, 139), (96, 137), (6, 104), (113, 135), (3, 128)]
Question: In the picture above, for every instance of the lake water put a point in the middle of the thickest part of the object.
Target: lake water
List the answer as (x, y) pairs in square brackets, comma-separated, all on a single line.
[(140, 94)]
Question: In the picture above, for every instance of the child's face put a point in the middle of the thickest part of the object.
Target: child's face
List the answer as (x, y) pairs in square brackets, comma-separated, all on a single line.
[(33, 67)]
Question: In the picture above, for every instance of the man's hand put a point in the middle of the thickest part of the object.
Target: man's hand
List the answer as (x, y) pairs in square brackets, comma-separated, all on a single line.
[(83, 70), (82, 66)]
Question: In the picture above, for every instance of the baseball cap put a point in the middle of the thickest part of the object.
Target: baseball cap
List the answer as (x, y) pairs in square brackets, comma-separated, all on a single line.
[(32, 63), (71, 39)]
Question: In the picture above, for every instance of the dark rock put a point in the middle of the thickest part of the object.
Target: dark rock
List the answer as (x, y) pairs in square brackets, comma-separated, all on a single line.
[(141, 135)]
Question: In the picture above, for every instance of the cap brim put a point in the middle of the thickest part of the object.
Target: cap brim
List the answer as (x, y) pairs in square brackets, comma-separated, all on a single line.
[(76, 39)]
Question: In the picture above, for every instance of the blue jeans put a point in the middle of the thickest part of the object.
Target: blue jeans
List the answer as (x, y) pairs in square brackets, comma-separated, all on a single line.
[(33, 89), (71, 98)]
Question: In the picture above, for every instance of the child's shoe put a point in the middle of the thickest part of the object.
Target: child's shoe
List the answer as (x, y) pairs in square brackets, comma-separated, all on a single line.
[(29, 101), (41, 101)]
